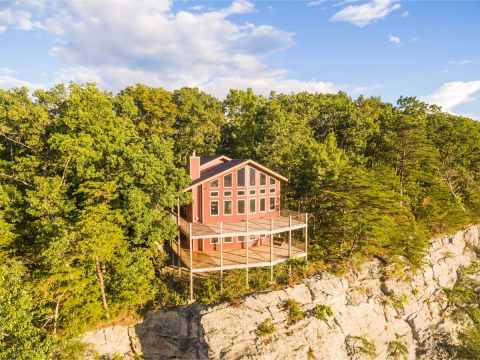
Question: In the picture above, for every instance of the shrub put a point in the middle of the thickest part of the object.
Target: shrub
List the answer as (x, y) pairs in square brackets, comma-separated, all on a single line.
[(265, 328), (397, 350), (360, 345), (322, 312), (295, 312)]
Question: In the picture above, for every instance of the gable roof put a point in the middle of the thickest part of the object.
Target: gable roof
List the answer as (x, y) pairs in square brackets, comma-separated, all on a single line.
[(230, 165), (206, 159)]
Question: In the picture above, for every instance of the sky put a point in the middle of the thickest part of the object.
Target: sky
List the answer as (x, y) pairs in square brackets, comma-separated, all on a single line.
[(385, 48)]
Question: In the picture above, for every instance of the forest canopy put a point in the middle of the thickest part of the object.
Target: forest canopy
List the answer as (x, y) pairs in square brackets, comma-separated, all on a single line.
[(88, 181)]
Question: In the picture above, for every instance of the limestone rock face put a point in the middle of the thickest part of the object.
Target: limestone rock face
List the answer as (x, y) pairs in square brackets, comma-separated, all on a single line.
[(374, 317)]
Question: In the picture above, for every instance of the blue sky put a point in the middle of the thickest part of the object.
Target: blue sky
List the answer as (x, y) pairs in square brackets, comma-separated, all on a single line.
[(385, 48)]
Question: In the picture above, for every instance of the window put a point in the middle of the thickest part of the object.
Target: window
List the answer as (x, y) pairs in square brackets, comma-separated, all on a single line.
[(252, 192), (262, 191), (272, 180), (214, 184), (241, 177), (227, 181), (253, 204), (263, 179), (214, 241), (227, 193), (213, 193), (262, 204), (227, 207), (272, 203), (253, 237), (253, 175), (228, 240), (272, 190), (240, 206), (241, 192), (241, 239), (214, 208)]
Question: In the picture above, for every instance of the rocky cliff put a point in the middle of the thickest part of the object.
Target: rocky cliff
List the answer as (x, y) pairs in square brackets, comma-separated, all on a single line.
[(372, 317)]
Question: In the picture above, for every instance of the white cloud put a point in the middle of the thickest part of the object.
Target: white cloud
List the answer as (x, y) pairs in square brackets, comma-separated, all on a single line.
[(364, 14), (9, 79), (460, 62), (452, 94), (117, 43), (405, 14), (394, 39)]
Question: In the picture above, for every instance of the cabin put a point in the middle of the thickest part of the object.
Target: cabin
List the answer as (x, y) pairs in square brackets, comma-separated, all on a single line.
[(226, 190), (235, 219)]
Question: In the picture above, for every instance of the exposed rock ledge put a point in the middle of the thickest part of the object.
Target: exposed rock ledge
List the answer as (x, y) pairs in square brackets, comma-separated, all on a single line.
[(365, 306)]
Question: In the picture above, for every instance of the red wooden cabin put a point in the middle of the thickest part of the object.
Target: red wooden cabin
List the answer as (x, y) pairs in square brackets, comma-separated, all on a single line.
[(226, 191)]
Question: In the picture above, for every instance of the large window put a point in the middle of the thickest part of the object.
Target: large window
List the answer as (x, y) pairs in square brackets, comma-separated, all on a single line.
[(227, 181), (272, 203), (263, 179), (214, 184), (241, 177), (227, 207), (253, 206), (241, 206), (262, 204), (214, 208), (252, 176)]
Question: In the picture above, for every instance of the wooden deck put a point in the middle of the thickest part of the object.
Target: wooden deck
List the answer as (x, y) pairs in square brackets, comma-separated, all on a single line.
[(285, 221), (258, 256)]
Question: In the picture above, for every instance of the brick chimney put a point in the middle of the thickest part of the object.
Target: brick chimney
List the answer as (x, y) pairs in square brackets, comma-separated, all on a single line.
[(194, 166)]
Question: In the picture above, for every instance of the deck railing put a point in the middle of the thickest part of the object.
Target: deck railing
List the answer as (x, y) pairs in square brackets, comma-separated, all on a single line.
[(283, 220)]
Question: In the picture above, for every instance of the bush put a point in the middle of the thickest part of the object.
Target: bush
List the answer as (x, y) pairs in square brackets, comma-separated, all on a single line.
[(322, 312), (265, 328), (295, 312)]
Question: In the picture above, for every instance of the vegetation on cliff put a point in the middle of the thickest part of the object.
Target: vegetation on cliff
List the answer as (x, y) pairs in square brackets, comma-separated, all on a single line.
[(88, 180)]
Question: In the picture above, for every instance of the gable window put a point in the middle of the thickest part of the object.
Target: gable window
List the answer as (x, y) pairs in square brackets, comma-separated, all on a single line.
[(227, 181), (241, 206), (272, 203), (214, 184), (214, 208), (252, 176), (272, 180), (253, 206), (263, 179), (262, 204), (227, 207), (241, 177)]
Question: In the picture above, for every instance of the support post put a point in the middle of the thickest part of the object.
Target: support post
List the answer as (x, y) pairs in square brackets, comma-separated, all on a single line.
[(271, 250), (246, 269), (306, 236), (221, 257), (289, 236), (290, 244), (191, 260)]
